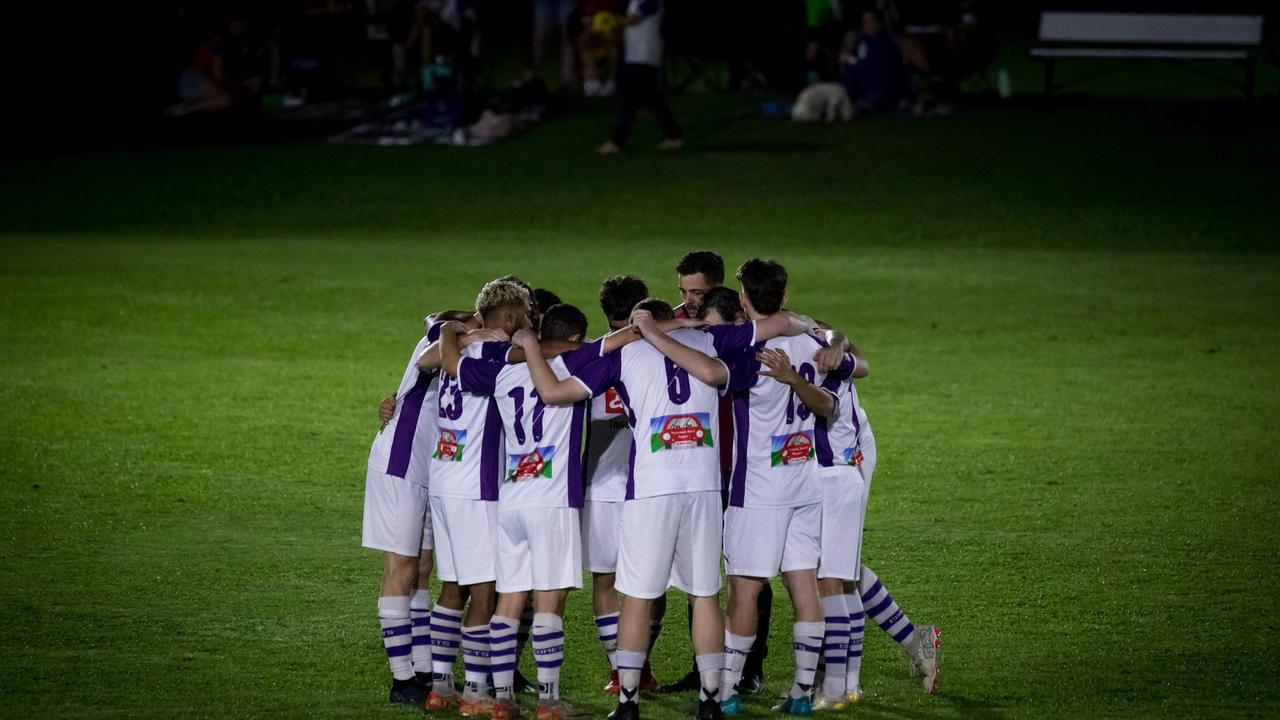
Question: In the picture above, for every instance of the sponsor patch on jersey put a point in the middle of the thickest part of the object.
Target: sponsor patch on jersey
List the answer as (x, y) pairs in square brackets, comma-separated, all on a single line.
[(680, 432), (852, 456), (450, 445), (530, 465), (613, 402), (792, 449)]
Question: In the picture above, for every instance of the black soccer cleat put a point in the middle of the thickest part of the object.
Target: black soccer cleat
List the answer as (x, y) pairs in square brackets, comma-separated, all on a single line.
[(710, 710), (408, 692), (752, 683), (522, 684), (691, 682), (626, 711)]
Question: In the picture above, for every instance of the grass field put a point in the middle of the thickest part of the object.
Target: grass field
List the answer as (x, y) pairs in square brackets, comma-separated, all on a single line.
[(1072, 316)]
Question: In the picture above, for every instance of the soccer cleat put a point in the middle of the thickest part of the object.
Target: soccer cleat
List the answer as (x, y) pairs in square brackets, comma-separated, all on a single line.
[(751, 683), (612, 686), (407, 692), (442, 699), (505, 709), (648, 682), (854, 695), (732, 706), (691, 682), (626, 711), (822, 702), (522, 684), (479, 706), (800, 707), (554, 710), (928, 660), (709, 710)]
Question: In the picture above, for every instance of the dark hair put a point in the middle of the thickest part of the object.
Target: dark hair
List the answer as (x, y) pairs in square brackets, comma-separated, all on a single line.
[(619, 294), (723, 300), (562, 322), (660, 309), (544, 300), (705, 262), (765, 283)]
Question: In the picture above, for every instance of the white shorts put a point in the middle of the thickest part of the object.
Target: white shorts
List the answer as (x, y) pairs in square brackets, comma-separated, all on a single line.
[(601, 523), (760, 541), (539, 549), (670, 541), (395, 515), (843, 510), (466, 534)]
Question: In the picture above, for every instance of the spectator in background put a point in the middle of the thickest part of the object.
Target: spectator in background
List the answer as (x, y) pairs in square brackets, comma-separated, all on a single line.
[(601, 40), (552, 17), (224, 73), (944, 43), (874, 74), (639, 86), (823, 29)]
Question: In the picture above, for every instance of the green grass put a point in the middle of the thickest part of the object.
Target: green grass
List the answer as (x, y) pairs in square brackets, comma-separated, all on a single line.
[(1071, 314)]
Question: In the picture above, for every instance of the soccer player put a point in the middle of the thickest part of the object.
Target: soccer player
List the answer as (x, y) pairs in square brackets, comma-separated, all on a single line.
[(539, 546), (696, 274), (396, 522), (465, 474)]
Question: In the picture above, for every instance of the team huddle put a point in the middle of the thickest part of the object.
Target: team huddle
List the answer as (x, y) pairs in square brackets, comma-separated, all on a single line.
[(518, 453)]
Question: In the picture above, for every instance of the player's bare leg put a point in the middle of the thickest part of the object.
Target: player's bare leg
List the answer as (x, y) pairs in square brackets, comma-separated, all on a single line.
[(708, 635), (657, 612), (605, 606), (633, 643), (399, 574)]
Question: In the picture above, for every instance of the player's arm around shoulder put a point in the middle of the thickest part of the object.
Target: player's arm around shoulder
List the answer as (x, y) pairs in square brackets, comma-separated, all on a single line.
[(778, 366), (551, 388), (709, 370)]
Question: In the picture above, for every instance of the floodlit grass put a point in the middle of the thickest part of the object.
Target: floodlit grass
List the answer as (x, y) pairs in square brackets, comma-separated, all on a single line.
[(1072, 317)]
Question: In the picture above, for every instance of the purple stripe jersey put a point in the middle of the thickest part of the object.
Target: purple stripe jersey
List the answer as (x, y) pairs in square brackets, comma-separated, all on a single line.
[(468, 457), (403, 448), (774, 448), (674, 418), (542, 456)]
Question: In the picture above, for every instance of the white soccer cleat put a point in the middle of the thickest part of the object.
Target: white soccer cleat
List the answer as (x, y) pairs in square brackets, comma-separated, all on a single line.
[(927, 661)]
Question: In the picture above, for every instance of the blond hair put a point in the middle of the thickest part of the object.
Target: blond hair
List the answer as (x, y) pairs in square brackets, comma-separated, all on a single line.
[(499, 294)]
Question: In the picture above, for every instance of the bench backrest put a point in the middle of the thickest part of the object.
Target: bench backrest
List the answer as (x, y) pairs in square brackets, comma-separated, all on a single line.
[(1150, 28)]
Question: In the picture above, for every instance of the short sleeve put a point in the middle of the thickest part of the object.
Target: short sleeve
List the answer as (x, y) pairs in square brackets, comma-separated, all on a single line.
[(433, 330), (478, 376), (600, 374), (743, 368), (580, 357), (495, 351), (844, 371), (727, 338)]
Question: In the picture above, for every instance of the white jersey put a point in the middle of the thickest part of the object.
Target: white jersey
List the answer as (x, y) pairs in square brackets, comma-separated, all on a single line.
[(468, 455), (840, 439), (608, 448), (674, 418), (774, 432), (403, 448), (543, 455)]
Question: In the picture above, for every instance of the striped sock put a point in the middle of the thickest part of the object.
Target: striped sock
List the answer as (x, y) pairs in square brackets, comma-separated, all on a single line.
[(607, 628), (420, 617), (835, 645), (397, 637), (446, 633), (857, 629), (502, 655), (736, 649), (630, 664), (475, 658), (548, 653), (807, 637), (881, 608)]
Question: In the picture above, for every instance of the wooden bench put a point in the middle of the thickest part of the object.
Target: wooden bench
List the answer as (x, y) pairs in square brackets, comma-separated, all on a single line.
[(1167, 37)]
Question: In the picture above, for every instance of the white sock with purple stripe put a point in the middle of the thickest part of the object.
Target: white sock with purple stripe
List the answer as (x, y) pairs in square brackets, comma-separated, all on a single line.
[(807, 637), (880, 607), (502, 655), (446, 634), (835, 645), (630, 664), (548, 653), (736, 649), (475, 658), (397, 635), (857, 630), (420, 617), (607, 628)]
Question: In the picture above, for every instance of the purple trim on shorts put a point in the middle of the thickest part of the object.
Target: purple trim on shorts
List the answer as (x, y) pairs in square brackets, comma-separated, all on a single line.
[(741, 431), (576, 448), (407, 426), (490, 473)]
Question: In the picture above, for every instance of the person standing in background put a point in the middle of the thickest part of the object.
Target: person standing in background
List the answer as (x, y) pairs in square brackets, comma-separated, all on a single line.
[(639, 81)]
